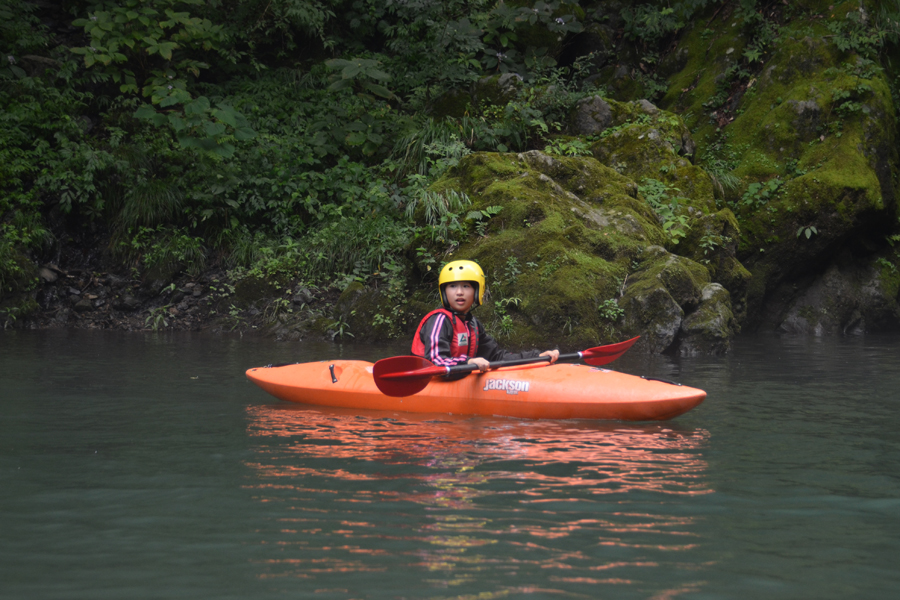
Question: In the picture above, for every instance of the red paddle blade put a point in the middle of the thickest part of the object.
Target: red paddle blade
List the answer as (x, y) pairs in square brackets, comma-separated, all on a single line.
[(404, 375), (603, 355)]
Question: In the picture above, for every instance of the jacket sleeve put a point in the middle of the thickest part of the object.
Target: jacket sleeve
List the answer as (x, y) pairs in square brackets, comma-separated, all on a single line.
[(489, 349), (436, 334)]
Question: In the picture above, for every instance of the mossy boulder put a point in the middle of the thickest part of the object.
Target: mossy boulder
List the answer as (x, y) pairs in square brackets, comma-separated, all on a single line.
[(641, 141), (673, 301), (566, 258), (709, 329), (498, 90), (713, 242), (811, 142), (853, 295), (255, 288), (354, 314)]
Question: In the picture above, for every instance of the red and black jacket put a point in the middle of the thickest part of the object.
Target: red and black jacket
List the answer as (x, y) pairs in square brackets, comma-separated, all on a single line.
[(447, 338)]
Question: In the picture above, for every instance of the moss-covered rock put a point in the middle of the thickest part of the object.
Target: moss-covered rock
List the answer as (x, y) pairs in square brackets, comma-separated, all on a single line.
[(710, 328), (811, 139), (498, 89), (254, 288), (854, 294), (566, 258), (713, 241), (643, 141)]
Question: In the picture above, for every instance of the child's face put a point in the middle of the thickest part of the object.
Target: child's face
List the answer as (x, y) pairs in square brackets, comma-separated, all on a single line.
[(460, 295)]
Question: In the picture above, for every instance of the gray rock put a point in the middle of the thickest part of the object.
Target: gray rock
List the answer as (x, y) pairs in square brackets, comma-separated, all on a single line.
[(648, 107), (709, 329), (126, 302), (498, 89), (659, 316), (302, 296), (47, 275), (850, 297), (591, 116)]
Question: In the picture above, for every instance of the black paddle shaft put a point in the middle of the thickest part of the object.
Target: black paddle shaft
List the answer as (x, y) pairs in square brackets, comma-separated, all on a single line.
[(468, 368)]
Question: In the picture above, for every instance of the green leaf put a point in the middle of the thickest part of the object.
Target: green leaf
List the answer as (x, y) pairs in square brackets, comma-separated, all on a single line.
[(177, 122), (350, 71), (224, 150), (226, 114), (145, 111), (200, 105), (166, 48), (378, 90), (244, 133), (213, 129), (369, 148), (170, 100), (337, 63), (376, 74), (356, 138), (340, 84)]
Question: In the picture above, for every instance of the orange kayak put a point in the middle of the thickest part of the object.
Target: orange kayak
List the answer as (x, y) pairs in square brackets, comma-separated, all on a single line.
[(560, 391)]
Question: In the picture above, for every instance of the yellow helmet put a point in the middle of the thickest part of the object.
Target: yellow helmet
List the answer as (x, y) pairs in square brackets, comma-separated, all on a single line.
[(462, 270)]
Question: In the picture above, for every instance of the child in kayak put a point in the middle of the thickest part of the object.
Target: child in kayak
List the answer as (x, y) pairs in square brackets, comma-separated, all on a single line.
[(451, 335)]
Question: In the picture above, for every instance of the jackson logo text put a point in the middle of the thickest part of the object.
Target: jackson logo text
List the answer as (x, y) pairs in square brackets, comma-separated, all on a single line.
[(510, 386)]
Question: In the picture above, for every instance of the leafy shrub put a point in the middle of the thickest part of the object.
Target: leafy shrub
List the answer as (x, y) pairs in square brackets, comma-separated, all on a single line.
[(659, 196)]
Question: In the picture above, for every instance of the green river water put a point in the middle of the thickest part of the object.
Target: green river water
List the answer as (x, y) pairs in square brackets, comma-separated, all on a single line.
[(144, 466)]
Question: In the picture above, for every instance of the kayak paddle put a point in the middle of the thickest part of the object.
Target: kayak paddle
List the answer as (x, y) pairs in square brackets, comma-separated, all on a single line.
[(407, 375)]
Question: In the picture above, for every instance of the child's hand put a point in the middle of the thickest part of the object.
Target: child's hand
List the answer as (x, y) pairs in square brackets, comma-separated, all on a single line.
[(483, 364), (553, 354)]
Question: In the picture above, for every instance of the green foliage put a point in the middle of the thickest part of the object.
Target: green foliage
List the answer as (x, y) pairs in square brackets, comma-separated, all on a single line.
[(504, 25), (610, 310), (510, 272), (664, 202), (340, 328), (21, 34), (431, 149), (501, 308), (854, 34), (157, 318), (572, 147), (279, 28), (709, 243), (441, 212), (165, 249), (759, 194), (807, 231), (359, 75), (650, 24), (151, 48), (887, 265), (482, 218)]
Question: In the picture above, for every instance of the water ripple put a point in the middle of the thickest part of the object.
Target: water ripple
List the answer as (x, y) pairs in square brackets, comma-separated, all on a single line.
[(473, 499)]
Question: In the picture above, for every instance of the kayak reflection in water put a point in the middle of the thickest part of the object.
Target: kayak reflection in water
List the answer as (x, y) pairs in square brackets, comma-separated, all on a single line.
[(451, 335)]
